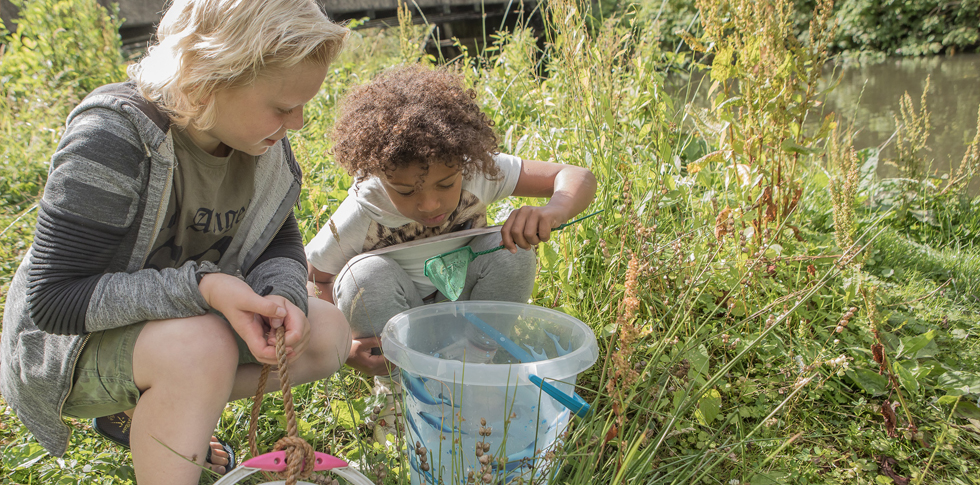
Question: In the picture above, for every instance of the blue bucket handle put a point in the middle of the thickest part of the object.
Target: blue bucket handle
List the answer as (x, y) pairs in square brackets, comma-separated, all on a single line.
[(574, 403)]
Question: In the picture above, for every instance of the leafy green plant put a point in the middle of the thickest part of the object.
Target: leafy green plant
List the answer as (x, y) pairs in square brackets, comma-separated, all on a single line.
[(728, 355)]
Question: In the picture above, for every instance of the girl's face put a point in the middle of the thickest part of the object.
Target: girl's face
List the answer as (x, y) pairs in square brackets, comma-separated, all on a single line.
[(254, 117), (426, 198)]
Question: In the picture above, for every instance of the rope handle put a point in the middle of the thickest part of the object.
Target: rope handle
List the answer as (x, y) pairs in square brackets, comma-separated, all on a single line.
[(298, 451)]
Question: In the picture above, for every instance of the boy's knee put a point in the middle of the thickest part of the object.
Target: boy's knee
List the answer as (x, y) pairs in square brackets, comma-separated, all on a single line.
[(202, 345), (331, 339), (332, 324)]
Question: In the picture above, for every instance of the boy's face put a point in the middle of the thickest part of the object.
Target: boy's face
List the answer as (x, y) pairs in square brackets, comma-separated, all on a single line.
[(254, 117), (426, 198)]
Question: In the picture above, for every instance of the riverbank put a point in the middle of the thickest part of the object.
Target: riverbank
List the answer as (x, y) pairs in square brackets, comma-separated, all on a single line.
[(769, 310)]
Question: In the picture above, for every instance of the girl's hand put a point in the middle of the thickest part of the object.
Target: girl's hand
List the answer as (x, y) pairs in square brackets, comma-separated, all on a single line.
[(361, 358), (252, 316), (570, 190), (530, 225)]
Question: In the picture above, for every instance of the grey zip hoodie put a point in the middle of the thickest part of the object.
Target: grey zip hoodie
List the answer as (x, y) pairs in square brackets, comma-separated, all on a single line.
[(103, 205)]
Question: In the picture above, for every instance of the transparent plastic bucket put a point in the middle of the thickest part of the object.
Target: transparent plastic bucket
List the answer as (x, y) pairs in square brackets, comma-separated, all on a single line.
[(465, 363)]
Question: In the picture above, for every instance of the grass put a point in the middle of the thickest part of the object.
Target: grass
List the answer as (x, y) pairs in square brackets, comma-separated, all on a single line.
[(737, 302)]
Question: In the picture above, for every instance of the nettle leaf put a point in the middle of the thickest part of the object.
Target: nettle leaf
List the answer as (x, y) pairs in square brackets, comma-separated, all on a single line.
[(708, 407)]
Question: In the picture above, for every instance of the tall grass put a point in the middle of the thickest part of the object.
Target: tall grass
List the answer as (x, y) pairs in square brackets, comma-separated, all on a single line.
[(745, 268)]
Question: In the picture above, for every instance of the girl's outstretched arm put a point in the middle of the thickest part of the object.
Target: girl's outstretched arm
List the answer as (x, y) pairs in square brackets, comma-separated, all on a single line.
[(320, 284), (570, 188)]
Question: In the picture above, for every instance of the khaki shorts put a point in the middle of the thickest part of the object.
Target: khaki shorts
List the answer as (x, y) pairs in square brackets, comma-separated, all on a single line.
[(103, 379)]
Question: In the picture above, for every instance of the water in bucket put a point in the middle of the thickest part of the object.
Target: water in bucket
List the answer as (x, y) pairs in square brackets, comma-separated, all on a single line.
[(465, 363)]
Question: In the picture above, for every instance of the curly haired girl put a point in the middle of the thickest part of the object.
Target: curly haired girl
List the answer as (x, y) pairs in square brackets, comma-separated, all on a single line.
[(426, 163)]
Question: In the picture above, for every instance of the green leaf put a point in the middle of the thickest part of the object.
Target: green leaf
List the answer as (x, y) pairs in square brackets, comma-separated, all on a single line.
[(708, 407), (721, 66), (22, 455), (869, 381), (791, 146), (549, 257), (124, 473), (343, 414), (959, 382), (771, 478), (968, 410), (906, 378), (699, 360), (910, 345)]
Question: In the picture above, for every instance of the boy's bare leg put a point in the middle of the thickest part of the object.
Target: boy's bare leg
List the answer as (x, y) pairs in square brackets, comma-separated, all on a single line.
[(186, 369), (219, 457)]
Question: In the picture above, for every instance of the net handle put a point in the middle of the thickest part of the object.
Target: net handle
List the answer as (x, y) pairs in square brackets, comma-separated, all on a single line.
[(569, 223)]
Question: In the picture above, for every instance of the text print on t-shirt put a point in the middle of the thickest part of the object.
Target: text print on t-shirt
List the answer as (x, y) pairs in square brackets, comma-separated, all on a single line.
[(203, 234)]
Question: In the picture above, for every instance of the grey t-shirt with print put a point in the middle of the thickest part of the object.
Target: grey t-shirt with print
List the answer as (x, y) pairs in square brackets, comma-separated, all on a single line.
[(207, 205)]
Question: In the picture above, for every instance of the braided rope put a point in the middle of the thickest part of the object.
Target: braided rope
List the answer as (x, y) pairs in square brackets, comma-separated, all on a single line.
[(298, 451), (253, 423)]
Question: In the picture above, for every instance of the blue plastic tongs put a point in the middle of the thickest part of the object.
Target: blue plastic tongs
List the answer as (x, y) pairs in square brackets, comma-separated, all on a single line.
[(574, 403)]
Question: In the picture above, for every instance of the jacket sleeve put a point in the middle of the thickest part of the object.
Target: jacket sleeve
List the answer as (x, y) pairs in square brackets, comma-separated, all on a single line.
[(282, 266), (90, 202)]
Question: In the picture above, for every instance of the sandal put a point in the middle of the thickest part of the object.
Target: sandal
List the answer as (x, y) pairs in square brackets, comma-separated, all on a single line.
[(115, 428)]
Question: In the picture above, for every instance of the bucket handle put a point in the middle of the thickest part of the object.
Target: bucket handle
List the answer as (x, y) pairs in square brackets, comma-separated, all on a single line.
[(574, 403)]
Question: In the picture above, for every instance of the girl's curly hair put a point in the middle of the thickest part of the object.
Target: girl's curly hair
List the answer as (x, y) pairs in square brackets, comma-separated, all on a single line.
[(413, 116)]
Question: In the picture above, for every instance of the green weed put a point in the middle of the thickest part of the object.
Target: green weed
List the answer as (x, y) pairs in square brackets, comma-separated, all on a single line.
[(745, 270)]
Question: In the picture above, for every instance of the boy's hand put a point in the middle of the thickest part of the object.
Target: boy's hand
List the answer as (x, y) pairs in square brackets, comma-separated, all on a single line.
[(253, 316), (530, 225), (363, 359), (297, 326)]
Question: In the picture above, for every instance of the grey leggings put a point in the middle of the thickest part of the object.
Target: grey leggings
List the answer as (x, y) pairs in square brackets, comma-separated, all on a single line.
[(372, 289)]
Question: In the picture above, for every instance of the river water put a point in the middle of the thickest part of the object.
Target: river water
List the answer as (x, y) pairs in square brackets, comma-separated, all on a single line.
[(868, 95)]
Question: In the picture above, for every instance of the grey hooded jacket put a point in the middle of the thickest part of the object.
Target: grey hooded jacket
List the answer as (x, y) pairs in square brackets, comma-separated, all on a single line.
[(104, 203)]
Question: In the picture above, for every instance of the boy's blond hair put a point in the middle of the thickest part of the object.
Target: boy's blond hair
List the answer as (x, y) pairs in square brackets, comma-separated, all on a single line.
[(207, 45)]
